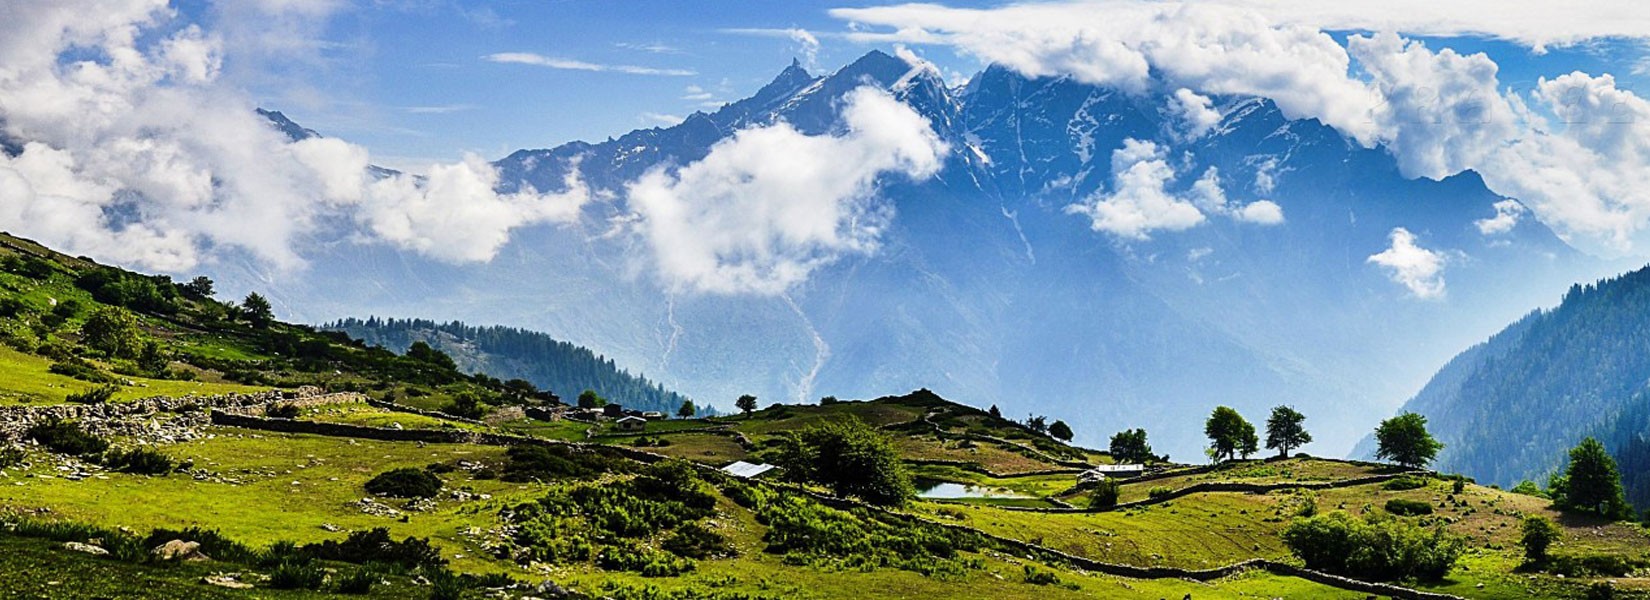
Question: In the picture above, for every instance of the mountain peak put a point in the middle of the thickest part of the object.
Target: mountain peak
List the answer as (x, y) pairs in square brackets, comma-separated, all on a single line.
[(292, 129), (877, 66)]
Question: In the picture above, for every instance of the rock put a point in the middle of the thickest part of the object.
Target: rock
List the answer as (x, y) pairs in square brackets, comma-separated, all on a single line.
[(331, 528), (179, 550), (87, 548), (229, 580)]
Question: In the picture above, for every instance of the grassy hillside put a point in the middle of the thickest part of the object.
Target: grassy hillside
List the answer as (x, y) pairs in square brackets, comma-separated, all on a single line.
[(300, 496)]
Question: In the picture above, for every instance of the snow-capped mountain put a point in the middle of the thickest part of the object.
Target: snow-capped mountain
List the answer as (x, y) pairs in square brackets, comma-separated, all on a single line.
[(988, 288)]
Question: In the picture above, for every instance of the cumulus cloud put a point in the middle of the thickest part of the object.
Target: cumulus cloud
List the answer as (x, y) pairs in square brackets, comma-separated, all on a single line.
[(1418, 269), (1140, 201), (1437, 112), (769, 205), (135, 150), (1195, 113), (1507, 214), (568, 64)]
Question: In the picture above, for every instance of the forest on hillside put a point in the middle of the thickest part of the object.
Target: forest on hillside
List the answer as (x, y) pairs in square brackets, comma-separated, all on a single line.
[(507, 353)]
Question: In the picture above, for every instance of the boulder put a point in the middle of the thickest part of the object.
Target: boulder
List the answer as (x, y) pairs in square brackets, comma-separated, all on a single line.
[(179, 550), (230, 580), (87, 548)]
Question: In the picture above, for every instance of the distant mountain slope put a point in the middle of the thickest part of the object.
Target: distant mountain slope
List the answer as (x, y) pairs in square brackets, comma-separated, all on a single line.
[(509, 353), (1508, 409)]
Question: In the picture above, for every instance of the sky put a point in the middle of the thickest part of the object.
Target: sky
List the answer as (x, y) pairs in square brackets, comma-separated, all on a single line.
[(139, 143)]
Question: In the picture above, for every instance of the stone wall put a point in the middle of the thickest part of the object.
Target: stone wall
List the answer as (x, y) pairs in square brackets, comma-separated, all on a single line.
[(159, 418)]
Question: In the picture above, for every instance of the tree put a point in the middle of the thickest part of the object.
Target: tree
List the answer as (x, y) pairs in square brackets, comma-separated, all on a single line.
[(1129, 446), (113, 331), (1404, 440), (828, 400), (1539, 534), (687, 410), (1105, 494), (1592, 483), (199, 287), (466, 405), (1229, 434), (852, 459), (1037, 423), (1061, 431), (152, 360), (589, 399), (746, 403), (257, 310), (1285, 431), (995, 414), (424, 353)]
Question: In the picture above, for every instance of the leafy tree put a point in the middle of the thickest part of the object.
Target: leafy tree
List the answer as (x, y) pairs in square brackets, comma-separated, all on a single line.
[(424, 353), (257, 310), (1285, 431), (199, 287), (1539, 534), (113, 331), (1105, 494), (687, 410), (1061, 431), (589, 399), (152, 359), (852, 459), (1404, 440), (1229, 434), (746, 403), (1592, 483), (1129, 446), (466, 405), (1037, 423), (995, 414), (828, 400)]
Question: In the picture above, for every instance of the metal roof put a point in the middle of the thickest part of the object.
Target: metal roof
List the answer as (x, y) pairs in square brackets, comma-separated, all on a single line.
[(746, 470)]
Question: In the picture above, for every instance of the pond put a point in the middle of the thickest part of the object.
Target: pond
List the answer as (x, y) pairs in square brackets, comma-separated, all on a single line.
[(947, 490)]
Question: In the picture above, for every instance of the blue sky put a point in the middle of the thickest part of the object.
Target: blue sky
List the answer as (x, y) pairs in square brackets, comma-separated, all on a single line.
[(409, 79)]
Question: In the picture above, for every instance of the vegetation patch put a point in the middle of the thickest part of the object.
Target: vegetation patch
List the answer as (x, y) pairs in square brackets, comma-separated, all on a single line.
[(1373, 548), (609, 522), (1404, 507), (66, 437), (405, 483)]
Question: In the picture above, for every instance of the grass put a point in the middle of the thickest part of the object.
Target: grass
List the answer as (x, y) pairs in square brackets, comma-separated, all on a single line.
[(26, 379), (707, 448), (361, 413)]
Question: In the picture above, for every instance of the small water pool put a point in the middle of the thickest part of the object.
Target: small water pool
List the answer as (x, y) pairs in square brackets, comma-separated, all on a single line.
[(946, 490)]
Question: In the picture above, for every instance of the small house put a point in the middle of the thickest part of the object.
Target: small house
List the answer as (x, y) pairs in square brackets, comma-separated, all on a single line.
[(631, 424), (612, 411)]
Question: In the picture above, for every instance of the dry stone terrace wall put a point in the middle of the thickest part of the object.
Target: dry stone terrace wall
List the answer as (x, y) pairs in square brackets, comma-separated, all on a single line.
[(158, 419)]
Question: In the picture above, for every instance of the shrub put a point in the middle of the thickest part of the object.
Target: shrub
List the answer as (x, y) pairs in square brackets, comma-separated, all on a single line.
[(1159, 492), (97, 395), (1528, 488), (66, 437), (1408, 508), (852, 459), (297, 574), (1105, 494), (376, 545), (1407, 482), (1539, 534), (1458, 486), (1593, 565), (405, 483), (546, 463), (282, 411), (1036, 576), (359, 581), (1372, 548), (444, 585), (78, 368), (693, 540), (139, 461), (11, 456)]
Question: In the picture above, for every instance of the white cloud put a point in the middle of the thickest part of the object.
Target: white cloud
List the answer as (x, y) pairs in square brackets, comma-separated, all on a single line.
[(1140, 201), (1438, 113), (1507, 214), (1195, 113), (139, 152), (769, 205), (567, 64), (661, 118), (1418, 269)]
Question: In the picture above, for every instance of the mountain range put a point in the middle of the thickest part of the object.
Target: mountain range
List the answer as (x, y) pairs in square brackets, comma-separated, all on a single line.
[(987, 288)]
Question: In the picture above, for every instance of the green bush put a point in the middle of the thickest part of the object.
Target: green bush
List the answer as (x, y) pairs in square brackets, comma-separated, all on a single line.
[(11, 456), (282, 411), (1105, 494), (548, 463), (1372, 548), (66, 437), (1407, 482), (1036, 576), (693, 540), (359, 581), (139, 461), (1594, 565), (444, 585), (405, 483), (1539, 533), (376, 546), (97, 395), (297, 574), (1159, 492), (79, 368), (1408, 508)]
